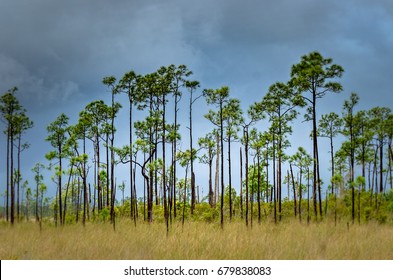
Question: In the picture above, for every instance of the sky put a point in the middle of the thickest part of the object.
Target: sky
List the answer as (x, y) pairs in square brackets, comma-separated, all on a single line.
[(57, 52)]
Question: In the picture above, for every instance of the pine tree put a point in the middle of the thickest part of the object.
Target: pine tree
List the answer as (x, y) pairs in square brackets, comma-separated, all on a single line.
[(315, 74)]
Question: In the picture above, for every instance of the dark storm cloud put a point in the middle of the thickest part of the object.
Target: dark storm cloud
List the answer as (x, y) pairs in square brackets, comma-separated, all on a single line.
[(70, 45)]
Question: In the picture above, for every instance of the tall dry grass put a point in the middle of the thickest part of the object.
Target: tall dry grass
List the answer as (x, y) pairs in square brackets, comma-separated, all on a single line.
[(197, 240)]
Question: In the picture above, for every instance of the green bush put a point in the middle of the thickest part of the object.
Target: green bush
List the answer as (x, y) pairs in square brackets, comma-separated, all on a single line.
[(382, 218), (368, 213)]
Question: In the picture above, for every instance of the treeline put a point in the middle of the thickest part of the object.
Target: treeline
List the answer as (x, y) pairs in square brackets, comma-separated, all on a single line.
[(361, 167)]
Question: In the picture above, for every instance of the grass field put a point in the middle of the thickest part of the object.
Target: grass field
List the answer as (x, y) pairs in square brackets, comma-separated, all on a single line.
[(197, 240)]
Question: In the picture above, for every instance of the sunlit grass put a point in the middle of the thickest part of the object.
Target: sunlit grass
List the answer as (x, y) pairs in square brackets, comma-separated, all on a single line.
[(197, 240)]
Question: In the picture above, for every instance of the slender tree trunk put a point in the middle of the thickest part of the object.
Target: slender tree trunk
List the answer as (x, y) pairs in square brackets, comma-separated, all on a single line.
[(174, 156), (230, 178), (42, 206), (300, 195), (335, 204), (84, 182), (352, 190), (95, 175), (7, 207), (150, 197), (294, 189), (94, 199), (113, 184), (185, 196), (267, 174), (145, 190), (274, 181), (211, 193), (390, 157), (363, 163), (74, 198), (381, 190), (157, 196), (315, 189), (12, 176), (56, 212), (66, 193), (252, 194), (174, 179), (163, 167), (359, 204), (222, 165), (241, 183), (332, 157), (191, 159), (132, 201), (27, 208), (108, 174), (279, 181), (18, 179), (317, 182), (37, 217), (150, 178), (135, 196), (217, 179), (375, 176), (259, 187), (60, 186), (246, 169), (308, 196), (78, 203), (100, 187)]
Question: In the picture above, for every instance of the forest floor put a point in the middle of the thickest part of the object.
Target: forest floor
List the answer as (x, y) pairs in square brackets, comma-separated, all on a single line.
[(289, 240)]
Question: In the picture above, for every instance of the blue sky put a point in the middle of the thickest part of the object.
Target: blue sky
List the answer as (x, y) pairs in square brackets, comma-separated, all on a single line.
[(57, 52)]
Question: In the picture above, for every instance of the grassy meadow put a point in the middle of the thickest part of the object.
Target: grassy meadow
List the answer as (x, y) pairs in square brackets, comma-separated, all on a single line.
[(197, 240)]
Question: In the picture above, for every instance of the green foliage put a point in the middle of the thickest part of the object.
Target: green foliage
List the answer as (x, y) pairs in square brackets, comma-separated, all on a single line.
[(390, 207), (382, 218), (315, 74), (253, 173), (203, 212), (104, 214)]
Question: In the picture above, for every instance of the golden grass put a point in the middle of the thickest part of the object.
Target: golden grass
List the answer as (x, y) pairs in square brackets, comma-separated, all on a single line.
[(197, 240)]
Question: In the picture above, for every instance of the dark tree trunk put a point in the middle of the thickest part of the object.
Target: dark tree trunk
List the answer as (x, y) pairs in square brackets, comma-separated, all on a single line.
[(241, 183), (12, 177), (230, 178), (294, 189), (192, 159), (7, 207), (85, 192), (163, 167), (222, 166), (332, 157), (107, 202), (60, 186), (211, 193), (381, 189), (300, 195), (18, 180), (259, 188), (274, 181), (308, 196), (217, 175), (246, 169), (279, 181)]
